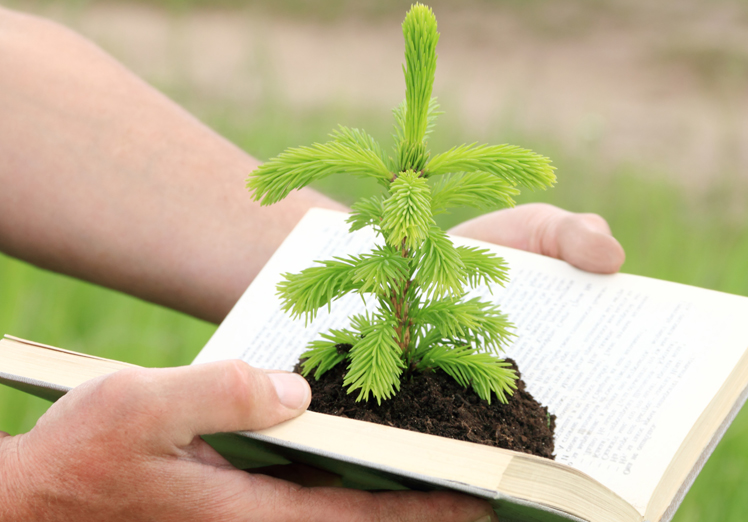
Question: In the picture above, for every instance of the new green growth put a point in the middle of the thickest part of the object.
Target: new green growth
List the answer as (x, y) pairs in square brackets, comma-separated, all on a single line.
[(418, 278)]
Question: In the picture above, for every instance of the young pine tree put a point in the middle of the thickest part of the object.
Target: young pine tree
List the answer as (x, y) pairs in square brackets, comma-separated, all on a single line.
[(418, 278)]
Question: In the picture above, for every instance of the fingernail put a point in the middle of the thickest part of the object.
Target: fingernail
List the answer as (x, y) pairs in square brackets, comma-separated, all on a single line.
[(292, 389)]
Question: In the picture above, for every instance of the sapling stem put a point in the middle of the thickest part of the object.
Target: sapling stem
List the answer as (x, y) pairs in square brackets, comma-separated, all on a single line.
[(420, 279)]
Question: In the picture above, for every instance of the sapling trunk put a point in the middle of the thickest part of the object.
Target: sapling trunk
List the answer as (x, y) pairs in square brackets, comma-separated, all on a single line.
[(424, 319)]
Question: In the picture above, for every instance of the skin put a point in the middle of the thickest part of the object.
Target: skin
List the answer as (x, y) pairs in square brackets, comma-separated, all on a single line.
[(582, 240), (126, 447), (105, 179)]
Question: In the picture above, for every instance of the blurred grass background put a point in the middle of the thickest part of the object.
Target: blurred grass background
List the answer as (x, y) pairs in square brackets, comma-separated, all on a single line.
[(685, 228)]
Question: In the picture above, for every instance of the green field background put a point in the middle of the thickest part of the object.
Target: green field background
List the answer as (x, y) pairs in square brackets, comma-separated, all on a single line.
[(668, 231)]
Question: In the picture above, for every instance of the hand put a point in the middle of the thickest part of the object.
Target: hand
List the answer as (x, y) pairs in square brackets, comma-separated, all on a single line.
[(582, 240), (126, 447)]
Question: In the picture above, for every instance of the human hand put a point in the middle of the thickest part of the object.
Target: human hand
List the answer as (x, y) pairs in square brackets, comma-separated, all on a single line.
[(126, 447), (582, 240)]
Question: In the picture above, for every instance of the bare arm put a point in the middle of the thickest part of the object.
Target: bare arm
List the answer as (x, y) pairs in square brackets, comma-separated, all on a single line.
[(107, 180)]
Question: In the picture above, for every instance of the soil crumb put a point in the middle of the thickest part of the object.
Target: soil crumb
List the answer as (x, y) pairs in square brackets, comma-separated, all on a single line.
[(434, 403)]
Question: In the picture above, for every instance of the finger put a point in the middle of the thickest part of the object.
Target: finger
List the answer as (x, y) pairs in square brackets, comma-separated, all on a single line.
[(396, 506), (288, 502), (207, 398), (583, 240)]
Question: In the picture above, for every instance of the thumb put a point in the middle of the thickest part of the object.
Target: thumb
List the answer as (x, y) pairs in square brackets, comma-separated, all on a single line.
[(217, 397), (584, 240)]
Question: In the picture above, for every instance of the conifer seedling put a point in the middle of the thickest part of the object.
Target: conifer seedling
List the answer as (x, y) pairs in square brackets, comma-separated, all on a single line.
[(419, 280)]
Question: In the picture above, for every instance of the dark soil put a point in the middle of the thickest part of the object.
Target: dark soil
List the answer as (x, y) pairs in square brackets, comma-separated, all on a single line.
[(434, 403)]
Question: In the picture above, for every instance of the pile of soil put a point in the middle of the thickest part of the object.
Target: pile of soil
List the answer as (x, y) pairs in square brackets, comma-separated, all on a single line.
[(434, 403)]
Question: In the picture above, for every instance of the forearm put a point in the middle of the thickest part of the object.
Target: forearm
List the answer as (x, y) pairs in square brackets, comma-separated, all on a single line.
[(107, 180)]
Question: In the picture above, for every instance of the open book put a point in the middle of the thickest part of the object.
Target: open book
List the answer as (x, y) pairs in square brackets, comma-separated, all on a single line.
[(643, 375)]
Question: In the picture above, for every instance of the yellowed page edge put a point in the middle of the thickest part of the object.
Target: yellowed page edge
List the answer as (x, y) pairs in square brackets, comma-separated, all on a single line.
[(565, 488), (690, 453), (67, 371), (410, 451)]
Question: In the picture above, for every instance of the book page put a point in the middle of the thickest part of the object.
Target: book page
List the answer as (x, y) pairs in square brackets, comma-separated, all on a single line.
[(626, 363)]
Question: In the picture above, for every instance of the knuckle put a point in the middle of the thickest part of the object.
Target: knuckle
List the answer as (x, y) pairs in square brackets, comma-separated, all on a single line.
[(240, 384), (127, 391), (123, 383), (595, 221), (544, 233), (544, 207)]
